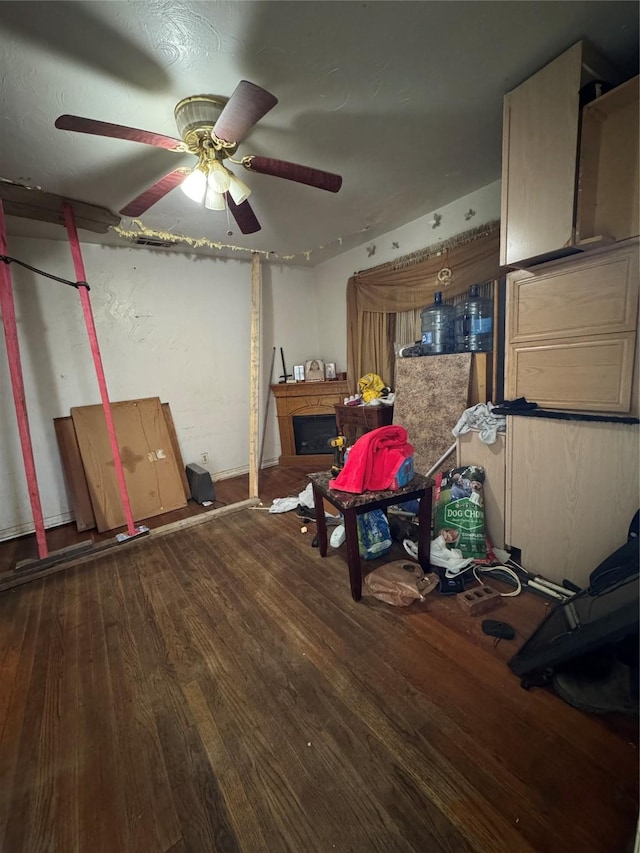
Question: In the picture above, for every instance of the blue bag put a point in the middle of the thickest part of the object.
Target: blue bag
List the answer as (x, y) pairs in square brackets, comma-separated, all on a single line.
[(374, 535)]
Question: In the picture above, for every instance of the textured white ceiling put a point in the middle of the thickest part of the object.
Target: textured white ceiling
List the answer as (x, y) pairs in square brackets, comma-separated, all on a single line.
[(403, 99)]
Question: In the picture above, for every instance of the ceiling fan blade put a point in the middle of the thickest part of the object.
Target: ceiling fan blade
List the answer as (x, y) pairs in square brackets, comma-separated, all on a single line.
[(243, 215), (117, 131), (154, 193), (245, 107), (294, 172)]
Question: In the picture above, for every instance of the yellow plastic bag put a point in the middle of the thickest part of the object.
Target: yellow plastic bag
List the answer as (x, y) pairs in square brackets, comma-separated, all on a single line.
[(371, 387)]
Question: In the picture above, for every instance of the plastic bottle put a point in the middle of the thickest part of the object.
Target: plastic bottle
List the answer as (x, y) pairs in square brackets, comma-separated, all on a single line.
[(438, 326), (474, 323)]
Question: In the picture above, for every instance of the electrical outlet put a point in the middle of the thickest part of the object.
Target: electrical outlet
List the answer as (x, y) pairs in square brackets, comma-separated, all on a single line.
[(204, 457)]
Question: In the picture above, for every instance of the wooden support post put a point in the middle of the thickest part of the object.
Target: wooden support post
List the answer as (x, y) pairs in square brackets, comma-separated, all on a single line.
[(254, 390), (7, 308)]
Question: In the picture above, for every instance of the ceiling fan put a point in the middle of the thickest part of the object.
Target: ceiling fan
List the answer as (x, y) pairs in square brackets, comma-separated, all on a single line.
[(211, 128)]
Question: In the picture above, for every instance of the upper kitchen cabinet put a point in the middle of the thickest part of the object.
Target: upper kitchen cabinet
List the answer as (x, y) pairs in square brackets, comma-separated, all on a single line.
[(608, 203), (540, 157)]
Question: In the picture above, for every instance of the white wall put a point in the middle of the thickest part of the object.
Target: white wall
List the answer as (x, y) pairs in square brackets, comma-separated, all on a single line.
[(170, 325), (332, 276), (176, 326)]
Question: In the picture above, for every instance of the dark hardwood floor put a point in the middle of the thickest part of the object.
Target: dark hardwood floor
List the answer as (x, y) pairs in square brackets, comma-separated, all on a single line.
[(272, 481), (216, 689)]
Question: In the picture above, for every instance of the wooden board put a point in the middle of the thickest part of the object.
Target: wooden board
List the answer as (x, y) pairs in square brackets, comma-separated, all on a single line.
[(32, 203), (150, 468), (73, 470), (571, 491), (177, 453), (431, 394)]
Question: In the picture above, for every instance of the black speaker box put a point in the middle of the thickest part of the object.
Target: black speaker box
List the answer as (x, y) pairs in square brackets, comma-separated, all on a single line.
[(200, 483)]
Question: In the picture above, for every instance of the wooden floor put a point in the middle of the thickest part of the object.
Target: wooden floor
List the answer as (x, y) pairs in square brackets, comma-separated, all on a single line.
[(217, 689)]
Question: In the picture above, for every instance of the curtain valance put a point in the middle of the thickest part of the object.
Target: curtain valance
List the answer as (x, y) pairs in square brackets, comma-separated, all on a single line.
[(472, 257), (409, 283)]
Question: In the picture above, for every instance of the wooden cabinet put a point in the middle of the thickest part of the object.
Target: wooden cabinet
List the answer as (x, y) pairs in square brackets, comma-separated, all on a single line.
[(571, 492), (562, 492), (608, 203), (571, 331), (570, 183), (540, 156), (354, 421), (305, 398)]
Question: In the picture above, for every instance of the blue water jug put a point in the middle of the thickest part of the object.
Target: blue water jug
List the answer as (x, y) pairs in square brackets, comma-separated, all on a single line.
[(474, 323), (438, 326)]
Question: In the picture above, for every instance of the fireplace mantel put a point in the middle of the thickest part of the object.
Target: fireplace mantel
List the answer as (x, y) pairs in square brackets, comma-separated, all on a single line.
[(305, 398)]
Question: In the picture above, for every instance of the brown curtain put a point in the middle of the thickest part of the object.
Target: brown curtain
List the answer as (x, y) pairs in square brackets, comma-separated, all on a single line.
[(375, 296)]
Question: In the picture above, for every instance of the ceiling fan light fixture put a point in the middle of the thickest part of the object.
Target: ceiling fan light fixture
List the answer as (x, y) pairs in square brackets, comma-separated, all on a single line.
[(219, 178), (214, 200), (194, 185), (238, 190)]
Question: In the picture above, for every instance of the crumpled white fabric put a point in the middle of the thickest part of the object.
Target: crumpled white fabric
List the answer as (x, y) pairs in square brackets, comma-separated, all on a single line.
[(286, 504), (283, 504), (480, 417), (450, 559)]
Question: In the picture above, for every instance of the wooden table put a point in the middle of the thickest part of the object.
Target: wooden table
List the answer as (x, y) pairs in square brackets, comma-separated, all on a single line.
[(352, 420), (352, 505)]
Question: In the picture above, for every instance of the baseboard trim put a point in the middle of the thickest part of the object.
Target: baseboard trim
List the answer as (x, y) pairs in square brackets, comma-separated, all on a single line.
[(29, 527), (244, 469)]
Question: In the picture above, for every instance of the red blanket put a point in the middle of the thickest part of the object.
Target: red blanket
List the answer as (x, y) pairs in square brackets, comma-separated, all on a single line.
[(374, 460)]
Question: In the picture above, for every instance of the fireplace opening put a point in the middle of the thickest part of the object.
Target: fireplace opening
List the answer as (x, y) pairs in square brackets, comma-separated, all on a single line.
[(313, 432)]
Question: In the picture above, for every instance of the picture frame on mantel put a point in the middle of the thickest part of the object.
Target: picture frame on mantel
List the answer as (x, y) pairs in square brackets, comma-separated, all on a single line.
[(314, 370), (330, 371), (298, 372)]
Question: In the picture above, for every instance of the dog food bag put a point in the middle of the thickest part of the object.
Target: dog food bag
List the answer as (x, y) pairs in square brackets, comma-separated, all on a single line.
[(459, 510)]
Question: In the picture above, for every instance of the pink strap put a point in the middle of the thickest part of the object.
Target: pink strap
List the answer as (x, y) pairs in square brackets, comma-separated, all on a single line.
[(97, 361), (8, 310)]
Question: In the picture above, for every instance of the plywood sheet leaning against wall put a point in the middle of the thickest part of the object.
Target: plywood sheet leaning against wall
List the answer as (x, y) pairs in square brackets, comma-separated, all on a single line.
[(431, 394), (151, 472), (73, 469), (74, 476), (175, 446)]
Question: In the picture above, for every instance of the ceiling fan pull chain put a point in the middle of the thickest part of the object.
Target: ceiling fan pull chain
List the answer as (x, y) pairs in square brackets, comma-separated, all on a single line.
[(229, 231)]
